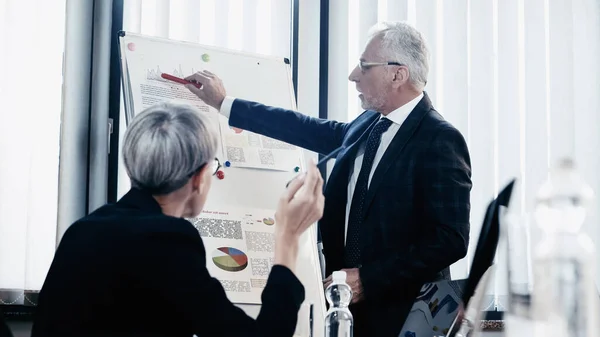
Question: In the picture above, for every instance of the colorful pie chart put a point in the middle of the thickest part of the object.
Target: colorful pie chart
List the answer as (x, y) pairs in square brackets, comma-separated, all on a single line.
[(230, 259), (269, 221)]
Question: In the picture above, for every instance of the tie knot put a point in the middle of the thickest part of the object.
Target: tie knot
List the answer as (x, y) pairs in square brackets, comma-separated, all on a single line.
[(385, 121), (382, 125)]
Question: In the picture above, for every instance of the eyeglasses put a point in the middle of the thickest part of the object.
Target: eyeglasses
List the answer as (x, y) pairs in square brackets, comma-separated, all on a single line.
[(215, 165), (364, 66)]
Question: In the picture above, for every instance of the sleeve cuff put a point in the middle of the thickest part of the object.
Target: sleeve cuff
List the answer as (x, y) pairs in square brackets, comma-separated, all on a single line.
[(226, 106), (283, 281)]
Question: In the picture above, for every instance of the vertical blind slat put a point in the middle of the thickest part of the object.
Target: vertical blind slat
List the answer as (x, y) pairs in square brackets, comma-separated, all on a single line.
[(367, 17), (43, 204), (455, 79), (221, 25), (176, 12), (281, 12), (132, 16), (536, 107), (263, 27), (148, 17), (14, 201), (586, 105), (353, 54), (509, 116), (427, 22), (191, 31), (236, 24), (163, 8), (480, 107), (561, 79), (337, 103), (509, 160), (183, 20), (250, 27), (455, 64), (207, 25), (397, 10)]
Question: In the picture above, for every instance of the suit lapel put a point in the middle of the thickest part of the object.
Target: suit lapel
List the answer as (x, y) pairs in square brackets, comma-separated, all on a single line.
[(336, 191), (395, 148), (346, 158)]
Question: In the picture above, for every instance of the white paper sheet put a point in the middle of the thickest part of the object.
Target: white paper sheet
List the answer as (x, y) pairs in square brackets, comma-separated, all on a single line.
[(149, 88), (240, 248), (241, 148), (246, 149), (153, 89)]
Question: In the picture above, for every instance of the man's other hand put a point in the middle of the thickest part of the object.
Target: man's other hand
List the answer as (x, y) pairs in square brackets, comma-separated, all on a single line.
[(212, 91), (353, 280)]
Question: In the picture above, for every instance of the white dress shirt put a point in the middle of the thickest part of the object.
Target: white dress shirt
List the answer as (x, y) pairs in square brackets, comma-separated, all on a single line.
[(397, 117)]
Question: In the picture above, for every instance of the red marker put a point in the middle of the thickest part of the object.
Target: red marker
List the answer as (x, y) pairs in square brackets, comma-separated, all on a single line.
[(179, 80)]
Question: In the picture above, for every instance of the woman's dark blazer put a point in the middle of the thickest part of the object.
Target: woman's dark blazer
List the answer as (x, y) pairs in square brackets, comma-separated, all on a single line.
[(129, 270)]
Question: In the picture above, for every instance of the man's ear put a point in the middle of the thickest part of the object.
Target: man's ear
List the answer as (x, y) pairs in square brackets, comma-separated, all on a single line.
[(401, 76)]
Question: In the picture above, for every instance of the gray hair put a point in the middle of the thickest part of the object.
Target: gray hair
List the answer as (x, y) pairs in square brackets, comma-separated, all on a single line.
[(165, 144), (402, 43)]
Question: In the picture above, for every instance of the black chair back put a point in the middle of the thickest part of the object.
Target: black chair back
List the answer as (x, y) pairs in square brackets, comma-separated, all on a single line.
[(487, 242)]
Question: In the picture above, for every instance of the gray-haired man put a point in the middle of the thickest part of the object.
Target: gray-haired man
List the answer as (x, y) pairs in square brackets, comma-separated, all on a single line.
[(398, 199)]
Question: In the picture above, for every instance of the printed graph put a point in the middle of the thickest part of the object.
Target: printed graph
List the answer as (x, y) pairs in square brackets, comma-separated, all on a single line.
[(154, 74), (230, 259)]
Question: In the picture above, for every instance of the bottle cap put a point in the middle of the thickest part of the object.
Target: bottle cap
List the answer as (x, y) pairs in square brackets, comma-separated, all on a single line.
[(339, 276)]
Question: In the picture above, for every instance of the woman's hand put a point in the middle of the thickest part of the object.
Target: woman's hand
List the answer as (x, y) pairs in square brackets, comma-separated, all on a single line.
[(300, 206)]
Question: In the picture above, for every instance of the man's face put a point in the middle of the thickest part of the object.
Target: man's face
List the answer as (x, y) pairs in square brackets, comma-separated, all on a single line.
[(372, 82)]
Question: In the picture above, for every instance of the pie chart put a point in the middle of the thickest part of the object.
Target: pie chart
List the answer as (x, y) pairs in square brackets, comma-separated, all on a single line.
[(230, 259), (269, 221)]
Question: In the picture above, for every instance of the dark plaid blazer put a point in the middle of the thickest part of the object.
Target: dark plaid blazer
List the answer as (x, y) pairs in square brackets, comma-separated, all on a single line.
[(416, 222)]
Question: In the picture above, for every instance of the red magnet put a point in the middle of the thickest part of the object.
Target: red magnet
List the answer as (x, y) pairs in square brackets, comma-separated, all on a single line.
[(220, 174)]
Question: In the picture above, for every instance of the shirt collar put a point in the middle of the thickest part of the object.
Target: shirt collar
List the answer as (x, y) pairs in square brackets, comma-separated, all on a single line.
[(399, 115)]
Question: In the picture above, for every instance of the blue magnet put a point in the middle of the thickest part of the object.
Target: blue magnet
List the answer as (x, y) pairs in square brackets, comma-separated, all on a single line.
[(227, 163)]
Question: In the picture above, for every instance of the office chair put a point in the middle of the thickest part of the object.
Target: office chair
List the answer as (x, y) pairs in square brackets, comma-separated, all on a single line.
[(470, 313), (438, 309)]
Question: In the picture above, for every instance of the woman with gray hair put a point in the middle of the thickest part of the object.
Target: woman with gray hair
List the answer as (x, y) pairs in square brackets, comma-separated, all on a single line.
[(137, 268)]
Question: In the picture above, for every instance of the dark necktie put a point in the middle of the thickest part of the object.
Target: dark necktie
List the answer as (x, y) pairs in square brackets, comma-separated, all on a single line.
[(352, 253)]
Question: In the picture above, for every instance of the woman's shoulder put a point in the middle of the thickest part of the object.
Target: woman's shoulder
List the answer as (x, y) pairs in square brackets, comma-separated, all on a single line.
[(136, 222), (163, 224)]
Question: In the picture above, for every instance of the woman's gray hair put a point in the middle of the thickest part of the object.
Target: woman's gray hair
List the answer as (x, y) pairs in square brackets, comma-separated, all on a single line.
[(402, 43), (165, 144)]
